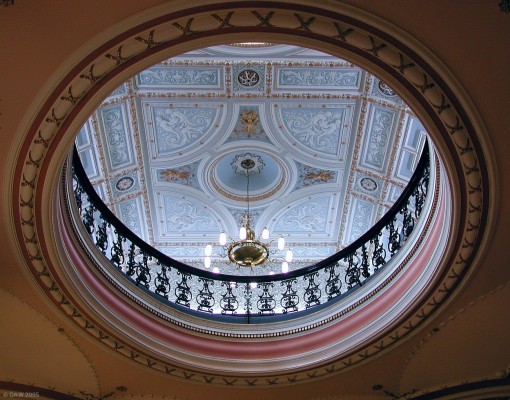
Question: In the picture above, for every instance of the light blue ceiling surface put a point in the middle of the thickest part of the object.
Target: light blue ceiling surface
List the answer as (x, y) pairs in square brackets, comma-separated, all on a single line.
[(338, 146)]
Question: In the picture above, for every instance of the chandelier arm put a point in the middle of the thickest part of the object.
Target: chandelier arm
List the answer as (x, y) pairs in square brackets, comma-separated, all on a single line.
[(229, 239), (274, 240)]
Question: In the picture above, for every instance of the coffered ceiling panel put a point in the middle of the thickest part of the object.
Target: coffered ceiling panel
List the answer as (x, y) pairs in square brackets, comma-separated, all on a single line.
[(334, 148)]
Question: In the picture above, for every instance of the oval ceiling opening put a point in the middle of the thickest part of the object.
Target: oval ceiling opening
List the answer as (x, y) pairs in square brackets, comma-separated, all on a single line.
[(336, 147)]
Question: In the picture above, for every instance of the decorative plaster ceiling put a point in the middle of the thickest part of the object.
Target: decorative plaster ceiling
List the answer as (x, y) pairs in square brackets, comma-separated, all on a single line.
[(337, 146)]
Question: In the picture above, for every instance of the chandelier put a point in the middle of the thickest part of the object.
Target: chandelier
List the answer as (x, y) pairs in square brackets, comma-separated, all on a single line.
[(249, 250)]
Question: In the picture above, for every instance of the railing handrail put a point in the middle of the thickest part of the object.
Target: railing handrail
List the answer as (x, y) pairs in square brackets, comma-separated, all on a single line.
[(123, 230)]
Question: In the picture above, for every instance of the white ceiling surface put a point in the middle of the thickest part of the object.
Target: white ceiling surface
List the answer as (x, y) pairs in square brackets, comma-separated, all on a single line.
[(338, 147)]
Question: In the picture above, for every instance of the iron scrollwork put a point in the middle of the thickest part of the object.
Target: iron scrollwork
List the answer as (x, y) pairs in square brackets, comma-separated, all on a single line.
[(333, 283), (162, 281), (290, 299), (229, 303), (274, 295), (313, 293), (205, 297), (266, 303), (183, 291)]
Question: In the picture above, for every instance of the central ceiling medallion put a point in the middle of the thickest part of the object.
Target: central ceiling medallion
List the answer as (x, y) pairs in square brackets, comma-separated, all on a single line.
[(246, 164), (248, 250), (248, 77), (227, 178)]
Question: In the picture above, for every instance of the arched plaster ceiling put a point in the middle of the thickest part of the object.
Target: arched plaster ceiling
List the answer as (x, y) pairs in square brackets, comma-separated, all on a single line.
[(48, 359), (337, 147), (54, 122), (443, 344)]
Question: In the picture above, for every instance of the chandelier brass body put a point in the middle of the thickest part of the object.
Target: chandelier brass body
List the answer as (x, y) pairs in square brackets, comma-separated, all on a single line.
[(248, 252)]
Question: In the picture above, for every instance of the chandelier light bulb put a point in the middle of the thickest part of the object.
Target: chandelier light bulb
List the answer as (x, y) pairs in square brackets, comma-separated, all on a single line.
[(265, 234), (216, 270), (288, 256), (242, 233), (285, 267), (208, 250), (253, 285), (281, 243), (223, 239), (207, 262)]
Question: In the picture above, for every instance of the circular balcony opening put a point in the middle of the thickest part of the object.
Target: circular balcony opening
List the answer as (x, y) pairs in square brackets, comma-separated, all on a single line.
[(315, 158), (121, 250)]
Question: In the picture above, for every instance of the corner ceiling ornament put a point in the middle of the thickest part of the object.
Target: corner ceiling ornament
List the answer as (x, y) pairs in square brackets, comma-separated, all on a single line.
[(250, 250), (248, 77), (46, 131)]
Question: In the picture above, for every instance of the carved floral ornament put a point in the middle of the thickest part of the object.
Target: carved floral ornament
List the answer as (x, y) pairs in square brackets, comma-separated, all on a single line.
[(323, 29)]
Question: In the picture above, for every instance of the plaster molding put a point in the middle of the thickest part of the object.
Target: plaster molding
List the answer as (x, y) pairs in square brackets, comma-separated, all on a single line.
[(92, 72)]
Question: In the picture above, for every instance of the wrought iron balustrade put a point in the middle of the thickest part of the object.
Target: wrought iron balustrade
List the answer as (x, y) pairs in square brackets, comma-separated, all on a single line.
[(210, 294)]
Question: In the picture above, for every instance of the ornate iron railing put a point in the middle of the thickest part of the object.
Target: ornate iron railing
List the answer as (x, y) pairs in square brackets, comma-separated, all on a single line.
[(218, 295)]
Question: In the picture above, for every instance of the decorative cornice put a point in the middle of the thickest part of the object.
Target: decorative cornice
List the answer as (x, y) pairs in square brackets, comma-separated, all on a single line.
[(120, 345), (332, 30), (120, 283)]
